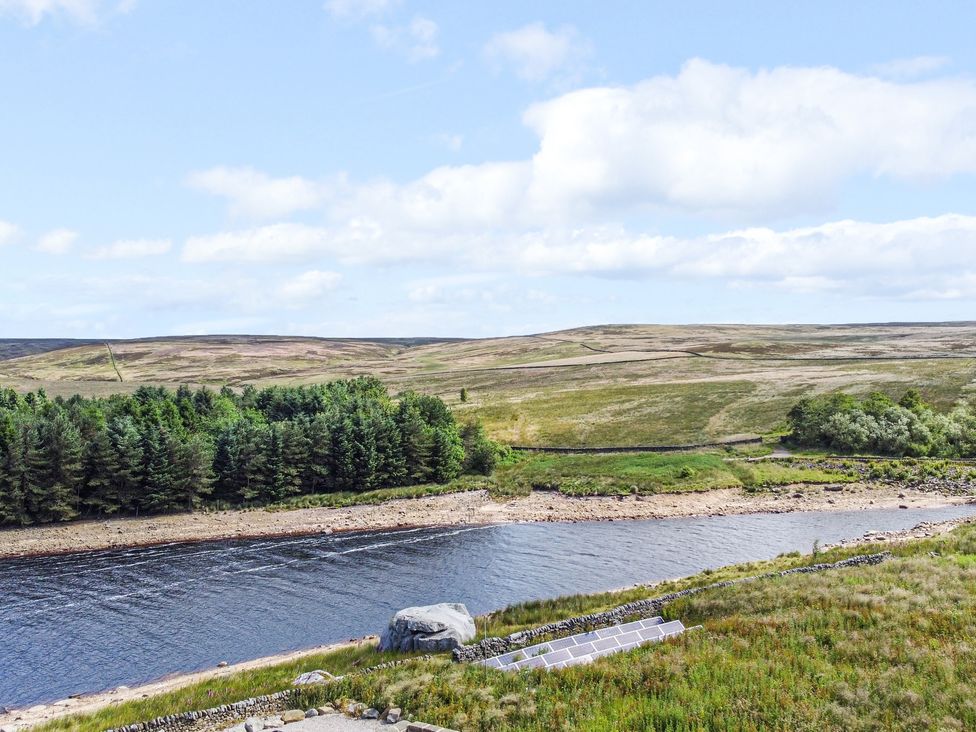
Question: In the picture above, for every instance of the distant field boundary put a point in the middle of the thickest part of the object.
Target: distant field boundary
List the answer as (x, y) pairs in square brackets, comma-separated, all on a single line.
[(639, 448)]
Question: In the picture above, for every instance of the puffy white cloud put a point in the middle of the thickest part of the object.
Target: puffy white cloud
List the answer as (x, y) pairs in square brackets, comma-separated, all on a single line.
[(359, 9), (58, 241), (712, 139), (86, 12), (417, 40), (132, 249), (717, 138), (257, 195), (309, 285), (536, 53)]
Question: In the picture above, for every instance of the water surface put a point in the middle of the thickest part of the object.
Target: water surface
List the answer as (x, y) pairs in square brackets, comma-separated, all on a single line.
[(91, 621)]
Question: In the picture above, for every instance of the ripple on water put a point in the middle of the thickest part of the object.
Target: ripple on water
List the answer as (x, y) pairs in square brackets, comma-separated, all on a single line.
[(86, 622)]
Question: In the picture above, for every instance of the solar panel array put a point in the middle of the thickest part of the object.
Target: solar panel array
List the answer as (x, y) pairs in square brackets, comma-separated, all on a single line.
[(586, 647)]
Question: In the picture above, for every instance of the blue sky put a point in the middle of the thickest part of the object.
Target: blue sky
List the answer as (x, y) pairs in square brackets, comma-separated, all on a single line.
[(395, 168)]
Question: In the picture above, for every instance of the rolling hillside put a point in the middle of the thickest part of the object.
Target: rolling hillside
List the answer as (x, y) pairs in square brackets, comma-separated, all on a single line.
[(601, 385)]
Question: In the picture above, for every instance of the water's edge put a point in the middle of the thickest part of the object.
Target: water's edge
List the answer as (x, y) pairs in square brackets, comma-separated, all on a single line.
[(84, 622)]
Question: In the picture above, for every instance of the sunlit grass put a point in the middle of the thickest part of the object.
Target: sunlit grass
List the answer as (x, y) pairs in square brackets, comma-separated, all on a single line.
[(870, 648)]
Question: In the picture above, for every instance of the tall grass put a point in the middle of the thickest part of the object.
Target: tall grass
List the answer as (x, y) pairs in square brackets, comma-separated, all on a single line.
[(888, 647)]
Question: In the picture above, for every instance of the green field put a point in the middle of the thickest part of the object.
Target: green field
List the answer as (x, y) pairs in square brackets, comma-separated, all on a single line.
[(606, 385), (886, 647)]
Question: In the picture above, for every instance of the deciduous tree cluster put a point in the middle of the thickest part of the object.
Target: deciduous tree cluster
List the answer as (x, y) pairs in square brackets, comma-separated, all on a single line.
[(878, 425)]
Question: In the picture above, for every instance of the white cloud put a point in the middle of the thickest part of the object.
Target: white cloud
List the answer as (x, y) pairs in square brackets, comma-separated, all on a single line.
[(359, 9), (257, 195), (911, 68), (58, 241), (309, 285), (536, 53), (712, 139), (8, 232), (417, 40), (85, 12), (132, 249), (927, 258), (725, 139), (923, 257)]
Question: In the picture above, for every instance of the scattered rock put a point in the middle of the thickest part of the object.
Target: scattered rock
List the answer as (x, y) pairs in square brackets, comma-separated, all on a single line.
[(222, 664), (371, 714), (902, 505), (326, 710), (293, 715), (440, 627), (253, 724), (392, 715), (313, 677), (355, 709), (311, 713)]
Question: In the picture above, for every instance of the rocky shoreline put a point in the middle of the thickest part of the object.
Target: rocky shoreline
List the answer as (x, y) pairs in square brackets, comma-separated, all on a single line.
[(459, 509)]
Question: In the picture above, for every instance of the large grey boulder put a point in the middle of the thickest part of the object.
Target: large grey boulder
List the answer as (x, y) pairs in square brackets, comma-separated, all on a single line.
[(440, 627)]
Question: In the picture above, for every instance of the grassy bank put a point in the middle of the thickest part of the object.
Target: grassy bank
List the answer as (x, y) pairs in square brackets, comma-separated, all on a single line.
[(871, 648), (602, 475), (875, 648)]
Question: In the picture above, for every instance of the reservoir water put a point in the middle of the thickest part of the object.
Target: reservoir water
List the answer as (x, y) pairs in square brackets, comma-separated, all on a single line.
[(91, 621)]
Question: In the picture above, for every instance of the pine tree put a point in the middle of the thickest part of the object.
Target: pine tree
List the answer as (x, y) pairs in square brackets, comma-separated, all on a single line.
[(447, 455), (157, 477), (294, 457), (225, 465), (193, 474), (13, 505), (251, 473), (99, 466), (319, 477), (54, 464), (127, 445)]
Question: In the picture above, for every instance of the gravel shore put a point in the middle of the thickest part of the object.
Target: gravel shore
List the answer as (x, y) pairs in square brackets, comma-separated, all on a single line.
[(474, 507)]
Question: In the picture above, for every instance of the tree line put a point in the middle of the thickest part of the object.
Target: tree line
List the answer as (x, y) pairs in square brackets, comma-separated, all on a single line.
[(877, 424), (159, 450)]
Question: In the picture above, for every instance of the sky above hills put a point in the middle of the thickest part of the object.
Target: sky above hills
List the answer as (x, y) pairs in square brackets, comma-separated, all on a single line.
[(397, 167)]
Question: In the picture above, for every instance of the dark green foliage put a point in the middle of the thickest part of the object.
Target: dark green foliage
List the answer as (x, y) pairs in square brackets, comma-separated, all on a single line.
[(480, 454), (877, 425), (161, 451)]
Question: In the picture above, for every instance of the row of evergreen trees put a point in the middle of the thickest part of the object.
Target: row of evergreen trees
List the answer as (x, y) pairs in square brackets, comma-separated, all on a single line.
[(160, 451)]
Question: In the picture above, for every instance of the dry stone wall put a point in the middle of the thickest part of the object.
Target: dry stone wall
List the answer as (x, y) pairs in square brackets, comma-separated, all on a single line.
[(490, 647)]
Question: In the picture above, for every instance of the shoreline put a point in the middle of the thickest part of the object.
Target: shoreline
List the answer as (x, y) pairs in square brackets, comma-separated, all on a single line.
[(471, 508), (25, 718)]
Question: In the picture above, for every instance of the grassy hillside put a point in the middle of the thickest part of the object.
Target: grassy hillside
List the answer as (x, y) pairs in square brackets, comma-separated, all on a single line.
[(886, 647), (609, 385)]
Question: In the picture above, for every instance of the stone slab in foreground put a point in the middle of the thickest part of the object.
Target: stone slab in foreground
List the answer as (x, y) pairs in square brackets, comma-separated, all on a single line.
[(586, 647)]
